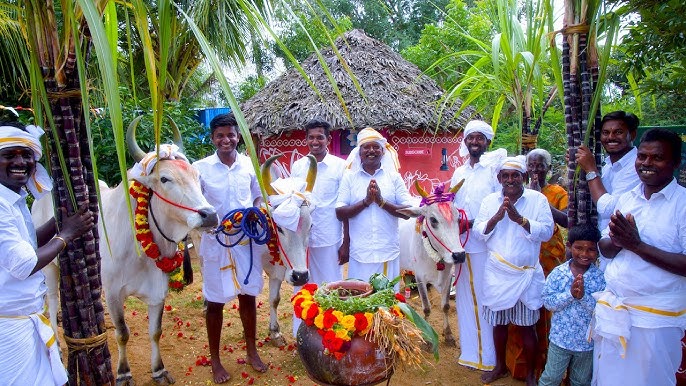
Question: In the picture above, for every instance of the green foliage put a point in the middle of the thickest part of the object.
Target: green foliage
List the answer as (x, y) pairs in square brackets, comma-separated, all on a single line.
[(250, 87), (439, 41), (195, 137)]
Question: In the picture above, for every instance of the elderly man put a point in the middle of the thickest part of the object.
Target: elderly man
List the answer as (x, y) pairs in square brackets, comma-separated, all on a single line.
[(618, 174), (326, 234), (513, 223), (370, 194), (480, 176), (641, 316), (27, 343)]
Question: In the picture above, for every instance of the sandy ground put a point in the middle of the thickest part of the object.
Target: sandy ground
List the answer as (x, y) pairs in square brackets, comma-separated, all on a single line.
[(184, 343)]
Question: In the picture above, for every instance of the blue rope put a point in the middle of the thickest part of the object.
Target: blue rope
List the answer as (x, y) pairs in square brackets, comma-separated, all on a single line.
[(254, 224)]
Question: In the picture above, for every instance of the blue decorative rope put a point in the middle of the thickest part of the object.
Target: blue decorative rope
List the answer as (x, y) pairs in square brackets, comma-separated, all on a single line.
[(253, 224)]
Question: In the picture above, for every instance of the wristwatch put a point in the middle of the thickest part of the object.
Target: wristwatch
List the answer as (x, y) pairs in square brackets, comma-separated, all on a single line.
[(591, 175)]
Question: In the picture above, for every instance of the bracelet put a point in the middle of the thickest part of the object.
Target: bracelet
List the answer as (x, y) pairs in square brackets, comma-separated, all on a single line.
[(524, 221), (60, 238), (383, 202)]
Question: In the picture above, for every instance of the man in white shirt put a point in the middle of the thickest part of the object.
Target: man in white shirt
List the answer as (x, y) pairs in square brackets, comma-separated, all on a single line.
[(618, 174), (480, 176), (326, 233), (641, 315), (513, 223), (229, 182), (370, 194), (28, 352)]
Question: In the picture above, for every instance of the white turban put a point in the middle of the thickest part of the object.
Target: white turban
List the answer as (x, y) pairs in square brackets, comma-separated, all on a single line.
[(514, 163), (389, 160), (475, 127), (286, 203), (10, 136), (144, 167)]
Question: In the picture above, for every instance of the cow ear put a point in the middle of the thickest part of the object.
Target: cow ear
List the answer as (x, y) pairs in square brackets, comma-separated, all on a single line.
[(412, 211)]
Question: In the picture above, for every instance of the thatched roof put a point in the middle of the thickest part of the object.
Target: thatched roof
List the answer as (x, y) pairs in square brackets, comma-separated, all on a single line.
[(398, 95)]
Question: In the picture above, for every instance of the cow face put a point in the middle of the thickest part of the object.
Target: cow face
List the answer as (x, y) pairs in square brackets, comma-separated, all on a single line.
[(439, 225), (293, 248), (177, 203)]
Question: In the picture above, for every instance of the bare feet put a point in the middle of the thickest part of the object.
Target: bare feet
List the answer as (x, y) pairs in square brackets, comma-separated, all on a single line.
[(256, 363), (219, 373), (494, 375)]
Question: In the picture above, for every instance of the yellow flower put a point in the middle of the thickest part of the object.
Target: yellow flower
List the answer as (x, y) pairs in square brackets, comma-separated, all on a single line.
[(319, 321), (342, 334), (348, 322), (338, 314)]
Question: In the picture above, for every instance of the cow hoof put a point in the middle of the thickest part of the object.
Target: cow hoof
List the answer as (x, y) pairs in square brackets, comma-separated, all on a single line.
[(125, 380), (279, 341), (164, 378), (450, 341)]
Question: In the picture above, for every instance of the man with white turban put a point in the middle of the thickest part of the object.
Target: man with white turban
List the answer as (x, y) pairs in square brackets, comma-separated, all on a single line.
[(480, 175), (370, 194), (513, 222), (28, 352)]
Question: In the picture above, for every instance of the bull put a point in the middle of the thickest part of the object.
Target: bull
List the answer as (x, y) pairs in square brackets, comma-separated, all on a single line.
[(430, 246), (176, 206)]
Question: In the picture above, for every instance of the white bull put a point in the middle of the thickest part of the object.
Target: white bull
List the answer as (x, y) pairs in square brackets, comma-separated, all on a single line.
[(177, 205), (430, 246)]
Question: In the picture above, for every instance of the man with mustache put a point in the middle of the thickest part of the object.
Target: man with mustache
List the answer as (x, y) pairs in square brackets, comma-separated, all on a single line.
[(618, 174), (513, 222), (641, 315), (480, 179), (28, 352)]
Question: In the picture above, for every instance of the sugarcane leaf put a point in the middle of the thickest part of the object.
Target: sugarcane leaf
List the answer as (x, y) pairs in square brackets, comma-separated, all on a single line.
[(428, 332)]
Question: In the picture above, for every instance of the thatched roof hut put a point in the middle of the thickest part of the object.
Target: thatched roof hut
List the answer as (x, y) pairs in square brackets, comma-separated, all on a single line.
[(397, 96)]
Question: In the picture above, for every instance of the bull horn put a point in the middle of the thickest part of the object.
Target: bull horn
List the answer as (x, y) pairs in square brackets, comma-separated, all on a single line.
[(311, 173), (457, 187), (178, 141), (420, 190), (136, 152), (266, 173)]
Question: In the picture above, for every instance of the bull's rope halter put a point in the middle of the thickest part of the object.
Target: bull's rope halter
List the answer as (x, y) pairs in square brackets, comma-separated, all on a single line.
[(171, 265), (439, 196)]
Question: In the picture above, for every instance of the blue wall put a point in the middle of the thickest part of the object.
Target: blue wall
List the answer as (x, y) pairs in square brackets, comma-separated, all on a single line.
[(204, 116)]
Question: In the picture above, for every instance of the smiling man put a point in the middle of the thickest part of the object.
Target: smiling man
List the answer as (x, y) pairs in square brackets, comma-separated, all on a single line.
[(326, 234), (641, 316), (28, 352), (370, 194), (513, 222)]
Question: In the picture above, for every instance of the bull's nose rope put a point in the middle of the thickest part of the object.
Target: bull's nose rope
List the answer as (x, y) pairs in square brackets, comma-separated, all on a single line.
[(248, 222)]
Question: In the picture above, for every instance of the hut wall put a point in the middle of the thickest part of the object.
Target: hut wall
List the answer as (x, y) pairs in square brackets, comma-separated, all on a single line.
[(419, 153)]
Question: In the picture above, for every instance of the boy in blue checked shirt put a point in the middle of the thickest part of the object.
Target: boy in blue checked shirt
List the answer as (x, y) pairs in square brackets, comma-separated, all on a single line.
[(567, 293)]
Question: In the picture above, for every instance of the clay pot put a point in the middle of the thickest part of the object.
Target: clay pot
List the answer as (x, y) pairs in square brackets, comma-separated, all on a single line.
[(363, 364)]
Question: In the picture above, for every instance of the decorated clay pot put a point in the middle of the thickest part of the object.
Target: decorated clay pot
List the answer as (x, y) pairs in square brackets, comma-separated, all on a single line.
[(363, 364)]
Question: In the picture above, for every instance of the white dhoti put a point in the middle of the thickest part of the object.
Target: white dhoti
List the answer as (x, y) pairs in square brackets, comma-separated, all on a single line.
[(637, 340), (506, 283), (29, 353), (476, 335)]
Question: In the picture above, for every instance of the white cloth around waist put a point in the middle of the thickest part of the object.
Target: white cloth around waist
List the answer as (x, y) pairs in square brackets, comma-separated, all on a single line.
[(506, 283)]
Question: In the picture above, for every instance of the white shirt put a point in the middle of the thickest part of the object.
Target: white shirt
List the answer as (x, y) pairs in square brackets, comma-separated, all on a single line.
[(509, 239), (661, 222), (373, 232), (227, 188), (326, 229), (617, 178), (22, 293), (480, 181)]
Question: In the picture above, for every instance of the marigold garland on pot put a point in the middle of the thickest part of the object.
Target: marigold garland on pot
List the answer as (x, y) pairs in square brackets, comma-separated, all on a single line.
[(172, 265)]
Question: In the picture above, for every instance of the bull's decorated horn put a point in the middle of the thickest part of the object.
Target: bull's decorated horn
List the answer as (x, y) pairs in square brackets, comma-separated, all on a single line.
[(311, 173), (136, 152), (457, 187), (420, 190), (266, 173)]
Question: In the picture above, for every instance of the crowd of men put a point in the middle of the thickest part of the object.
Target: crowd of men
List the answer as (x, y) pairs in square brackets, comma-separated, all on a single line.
[(633, 303)]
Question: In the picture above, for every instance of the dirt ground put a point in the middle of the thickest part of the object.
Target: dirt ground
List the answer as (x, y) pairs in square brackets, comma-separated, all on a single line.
[(184, 343)]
